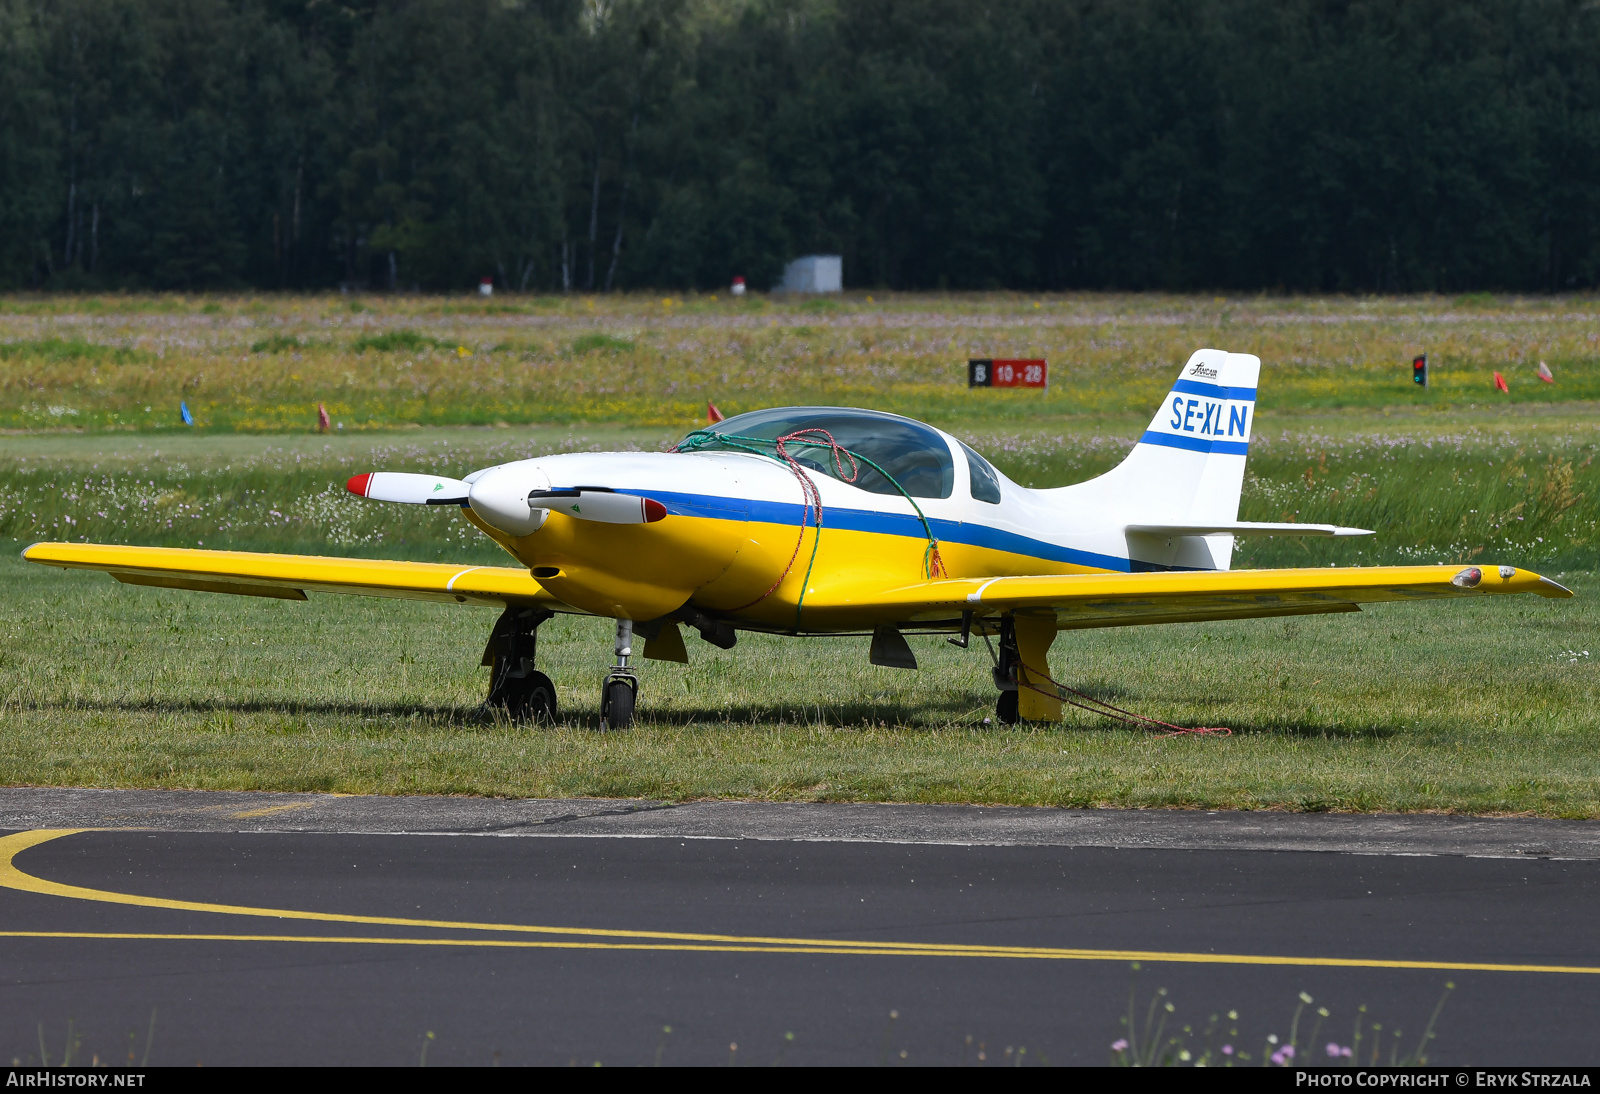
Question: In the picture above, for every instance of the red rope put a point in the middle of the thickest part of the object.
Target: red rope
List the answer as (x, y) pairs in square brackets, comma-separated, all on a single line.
[(834, 448), (1116, 713), (813, 497)]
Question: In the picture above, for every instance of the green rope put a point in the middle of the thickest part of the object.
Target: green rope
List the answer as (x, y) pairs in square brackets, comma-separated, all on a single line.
[(760, 446)]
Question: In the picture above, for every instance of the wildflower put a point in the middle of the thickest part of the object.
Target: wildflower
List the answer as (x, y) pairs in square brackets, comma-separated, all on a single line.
[(1306, 999), (1227, 1050), (1119, 1045)]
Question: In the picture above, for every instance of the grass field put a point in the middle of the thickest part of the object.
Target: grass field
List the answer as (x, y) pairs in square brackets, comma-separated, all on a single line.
[(1482, 707), (263, 364)]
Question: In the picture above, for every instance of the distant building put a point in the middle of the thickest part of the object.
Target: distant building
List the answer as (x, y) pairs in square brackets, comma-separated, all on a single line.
[(813, 273)]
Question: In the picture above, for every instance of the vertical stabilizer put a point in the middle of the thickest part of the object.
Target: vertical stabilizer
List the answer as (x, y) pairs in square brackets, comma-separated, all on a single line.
[(1188, 467)]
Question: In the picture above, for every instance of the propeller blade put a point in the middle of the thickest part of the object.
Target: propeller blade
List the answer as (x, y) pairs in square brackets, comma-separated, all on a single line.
[(597, 504), (408, 489)]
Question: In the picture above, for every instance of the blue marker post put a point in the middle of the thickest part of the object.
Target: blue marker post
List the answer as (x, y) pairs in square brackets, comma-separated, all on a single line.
[(183, 410)]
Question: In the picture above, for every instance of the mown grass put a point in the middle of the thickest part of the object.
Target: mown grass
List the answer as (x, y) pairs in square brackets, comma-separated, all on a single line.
[(1472, 706), (264, 363)]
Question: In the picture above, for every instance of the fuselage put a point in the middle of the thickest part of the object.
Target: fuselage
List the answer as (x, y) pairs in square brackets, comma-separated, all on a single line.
[(739, 536)]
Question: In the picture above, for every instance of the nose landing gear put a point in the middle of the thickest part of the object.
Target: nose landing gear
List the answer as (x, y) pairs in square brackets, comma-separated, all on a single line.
[(620, 689), (525, 694)]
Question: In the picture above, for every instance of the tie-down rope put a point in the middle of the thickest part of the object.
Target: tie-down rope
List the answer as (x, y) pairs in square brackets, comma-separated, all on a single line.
[(1103, 708)]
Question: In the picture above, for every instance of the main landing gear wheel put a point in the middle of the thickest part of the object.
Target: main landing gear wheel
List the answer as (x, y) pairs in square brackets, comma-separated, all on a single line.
[(515, 687), (530, 699), (1006, 708), (1005, 673)]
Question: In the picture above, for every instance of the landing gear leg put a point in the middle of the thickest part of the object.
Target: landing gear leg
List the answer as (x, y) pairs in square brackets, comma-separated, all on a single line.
[(514, 686), (621, 687), (1005, 673)]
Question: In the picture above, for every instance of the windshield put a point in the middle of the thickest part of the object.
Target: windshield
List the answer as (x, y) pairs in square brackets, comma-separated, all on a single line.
[(916, 455)]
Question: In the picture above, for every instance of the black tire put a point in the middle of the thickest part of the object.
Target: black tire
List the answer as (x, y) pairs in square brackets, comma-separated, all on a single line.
[(617, 705), (1006, 708), (531, 698)]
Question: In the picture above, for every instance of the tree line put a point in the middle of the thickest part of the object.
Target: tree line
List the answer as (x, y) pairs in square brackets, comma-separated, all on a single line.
[(595, 145)]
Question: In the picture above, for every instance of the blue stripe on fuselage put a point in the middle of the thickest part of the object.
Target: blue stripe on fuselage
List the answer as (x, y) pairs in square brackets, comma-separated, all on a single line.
[(895, 524)]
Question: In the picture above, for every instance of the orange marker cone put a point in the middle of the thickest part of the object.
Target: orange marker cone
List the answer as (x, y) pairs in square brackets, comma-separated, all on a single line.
[(713, 415), (322, 418), (1545, 374), (1500, 382)]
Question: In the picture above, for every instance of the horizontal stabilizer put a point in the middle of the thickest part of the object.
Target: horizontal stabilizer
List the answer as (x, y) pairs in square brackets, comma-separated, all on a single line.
[(1246, 528)]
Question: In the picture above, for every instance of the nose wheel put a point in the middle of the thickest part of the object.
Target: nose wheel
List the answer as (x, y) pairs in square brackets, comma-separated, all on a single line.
[(617, 697), (620, 689)]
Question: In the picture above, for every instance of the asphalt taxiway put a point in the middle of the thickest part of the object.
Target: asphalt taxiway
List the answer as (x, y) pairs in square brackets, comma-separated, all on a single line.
[(283, 928)]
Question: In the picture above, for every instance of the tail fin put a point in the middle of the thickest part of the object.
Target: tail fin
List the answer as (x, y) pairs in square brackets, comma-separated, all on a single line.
[(1188, 467)]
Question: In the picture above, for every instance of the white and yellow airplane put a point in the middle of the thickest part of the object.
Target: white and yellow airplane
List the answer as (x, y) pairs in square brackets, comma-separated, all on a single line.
[(833, 521)]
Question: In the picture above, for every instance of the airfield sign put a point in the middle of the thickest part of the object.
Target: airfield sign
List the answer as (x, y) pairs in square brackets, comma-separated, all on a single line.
[(1007, 372)]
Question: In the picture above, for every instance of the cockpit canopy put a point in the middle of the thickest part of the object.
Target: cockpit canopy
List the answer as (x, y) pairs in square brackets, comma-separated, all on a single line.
[(917, 456)]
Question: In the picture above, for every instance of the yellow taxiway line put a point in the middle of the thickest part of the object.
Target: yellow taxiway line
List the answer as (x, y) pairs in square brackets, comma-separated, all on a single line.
[(595, 938)]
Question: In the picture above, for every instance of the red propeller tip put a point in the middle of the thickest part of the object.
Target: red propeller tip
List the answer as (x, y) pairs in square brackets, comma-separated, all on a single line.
[(358, 484), (654, 511)]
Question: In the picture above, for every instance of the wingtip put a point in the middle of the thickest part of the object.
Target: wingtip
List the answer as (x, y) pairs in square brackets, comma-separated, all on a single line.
[(1553, 589), (1340, 530), (358, 484)]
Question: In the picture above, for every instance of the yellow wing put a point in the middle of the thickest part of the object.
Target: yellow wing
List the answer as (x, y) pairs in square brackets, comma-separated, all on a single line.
[(288, 577), (1118, 600)]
